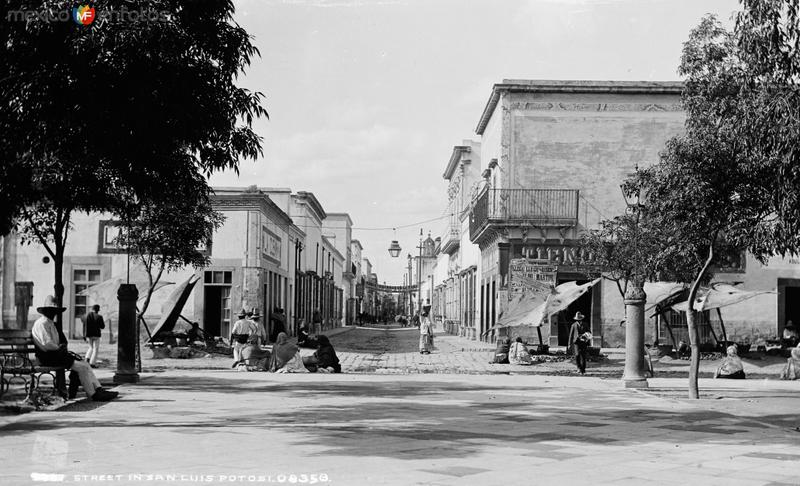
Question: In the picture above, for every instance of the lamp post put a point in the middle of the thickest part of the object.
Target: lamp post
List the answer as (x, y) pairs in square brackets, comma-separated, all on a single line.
[(635, 298)]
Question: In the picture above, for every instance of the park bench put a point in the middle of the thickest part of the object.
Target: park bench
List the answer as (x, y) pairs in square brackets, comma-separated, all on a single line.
[(17, 362)]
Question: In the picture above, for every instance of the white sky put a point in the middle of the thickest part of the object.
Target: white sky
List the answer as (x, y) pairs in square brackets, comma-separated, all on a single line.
[(367, 98)]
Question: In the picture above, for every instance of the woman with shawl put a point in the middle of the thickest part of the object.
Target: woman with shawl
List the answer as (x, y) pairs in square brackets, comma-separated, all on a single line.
[(792, 369), (323, 358), (518, 354), (285, 356), (731, 366), (425, 334)]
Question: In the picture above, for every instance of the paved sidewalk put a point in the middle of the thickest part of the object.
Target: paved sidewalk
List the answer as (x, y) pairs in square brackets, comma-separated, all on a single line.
[(208, 426)]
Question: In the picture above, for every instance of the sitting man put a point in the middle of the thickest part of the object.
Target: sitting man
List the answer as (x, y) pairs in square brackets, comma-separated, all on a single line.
[(51, 350), (304, 340)]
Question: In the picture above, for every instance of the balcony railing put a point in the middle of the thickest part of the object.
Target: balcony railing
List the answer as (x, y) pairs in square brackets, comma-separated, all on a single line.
[(452, 235), (536, 207)]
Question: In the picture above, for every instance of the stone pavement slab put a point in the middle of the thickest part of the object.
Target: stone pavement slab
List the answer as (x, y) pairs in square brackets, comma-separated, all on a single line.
[(224, 427)]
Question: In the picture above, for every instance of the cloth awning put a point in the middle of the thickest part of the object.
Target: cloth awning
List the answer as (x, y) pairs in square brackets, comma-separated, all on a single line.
[(104, 293), (719, 295), (533, 308), (173, 306)]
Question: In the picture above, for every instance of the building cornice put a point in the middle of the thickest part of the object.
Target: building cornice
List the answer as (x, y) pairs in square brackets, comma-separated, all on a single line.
[(455, 158), (312, 202), (249, 201), (355, 241), (344, 216), (572, 86)]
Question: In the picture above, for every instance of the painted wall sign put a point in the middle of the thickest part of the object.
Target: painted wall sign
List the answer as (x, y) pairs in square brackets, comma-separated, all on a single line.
[(530, 275), (271, 245)]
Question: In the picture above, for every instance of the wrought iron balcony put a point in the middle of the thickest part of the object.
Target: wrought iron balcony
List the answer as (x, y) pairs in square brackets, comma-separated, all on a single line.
[(535, 207), (451, 239)]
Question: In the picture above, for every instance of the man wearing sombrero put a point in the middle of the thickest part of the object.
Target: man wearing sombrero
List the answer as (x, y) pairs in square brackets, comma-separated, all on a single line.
[(51, 350), (579, 339)]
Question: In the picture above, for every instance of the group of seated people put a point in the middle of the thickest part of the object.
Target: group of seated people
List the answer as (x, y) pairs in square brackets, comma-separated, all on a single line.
[(285, 357)]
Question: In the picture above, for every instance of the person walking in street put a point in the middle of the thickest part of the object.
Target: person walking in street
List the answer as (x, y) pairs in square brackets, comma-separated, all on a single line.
[(579, 339), (92, 327), (261, 332), (51, 350), (277, 324), (425, 334)]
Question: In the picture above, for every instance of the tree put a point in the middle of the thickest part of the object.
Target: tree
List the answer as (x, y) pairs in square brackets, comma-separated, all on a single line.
[(106, 116), (171, 233), (731, 181)]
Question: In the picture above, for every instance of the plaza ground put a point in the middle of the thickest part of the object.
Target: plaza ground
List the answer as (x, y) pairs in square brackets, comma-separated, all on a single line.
[(398, 417)]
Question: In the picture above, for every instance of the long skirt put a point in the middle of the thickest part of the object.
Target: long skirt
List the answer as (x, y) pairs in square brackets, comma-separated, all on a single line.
[(425, 343)]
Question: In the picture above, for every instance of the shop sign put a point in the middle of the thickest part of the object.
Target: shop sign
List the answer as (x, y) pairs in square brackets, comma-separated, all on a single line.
[(271, 245), (527, 275)]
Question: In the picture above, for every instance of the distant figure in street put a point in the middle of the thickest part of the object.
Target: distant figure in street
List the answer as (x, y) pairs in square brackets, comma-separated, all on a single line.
[(324, 359), (51, 350), (579, 339), (92, 329), (792, 369), (415, 320), (261, 332), (316, 321), (425, 334), (277, 324), (518, 354), (240, 335), (286, 357), (731, 366), (791, 336), (304, 339)]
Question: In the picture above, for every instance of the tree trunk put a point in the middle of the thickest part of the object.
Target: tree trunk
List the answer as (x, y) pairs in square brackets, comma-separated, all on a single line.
[(694, 336)]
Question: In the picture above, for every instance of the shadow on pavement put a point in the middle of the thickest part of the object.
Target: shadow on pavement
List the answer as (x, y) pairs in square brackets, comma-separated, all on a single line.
[(420, 419)]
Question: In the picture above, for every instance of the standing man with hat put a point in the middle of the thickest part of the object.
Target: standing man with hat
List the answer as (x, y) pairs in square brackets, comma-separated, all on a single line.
[(240, 334), (92, 328), (51, 350), (579, 339)]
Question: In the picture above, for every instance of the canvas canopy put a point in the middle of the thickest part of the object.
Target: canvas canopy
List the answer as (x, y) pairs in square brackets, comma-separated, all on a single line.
[(104, 293), (532, 308), (719, 295), (171, 310)]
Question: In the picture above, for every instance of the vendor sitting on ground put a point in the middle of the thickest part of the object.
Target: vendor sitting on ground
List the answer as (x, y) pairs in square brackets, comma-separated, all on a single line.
[(518, 353), (324, 358), (792, 369), (731, 366), (304, 340), (791, 336), (286, 357), (253, 357)]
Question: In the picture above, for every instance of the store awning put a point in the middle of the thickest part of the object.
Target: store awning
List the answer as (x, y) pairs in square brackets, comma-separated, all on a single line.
[(533, 309), (104, 293), (173, 306), (719, 295)]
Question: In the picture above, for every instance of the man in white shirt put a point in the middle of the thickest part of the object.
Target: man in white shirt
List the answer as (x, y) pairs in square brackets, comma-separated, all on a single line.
[(240, 334), (51, 350)]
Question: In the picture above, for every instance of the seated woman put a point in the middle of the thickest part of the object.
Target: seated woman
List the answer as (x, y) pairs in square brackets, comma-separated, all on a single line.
[(323, 358), (791, 336), (731, 366), (792, 369), (304, 340), (286, 357), (518, 354), (253, 358)]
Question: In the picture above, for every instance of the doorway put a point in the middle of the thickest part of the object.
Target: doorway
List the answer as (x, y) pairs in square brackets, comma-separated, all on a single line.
[(217, 303), (565, 318), (788, 302), (792, 306)]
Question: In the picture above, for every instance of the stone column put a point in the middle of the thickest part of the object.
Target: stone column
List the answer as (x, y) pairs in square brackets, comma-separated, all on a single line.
[(126, 342), (634, 374)]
